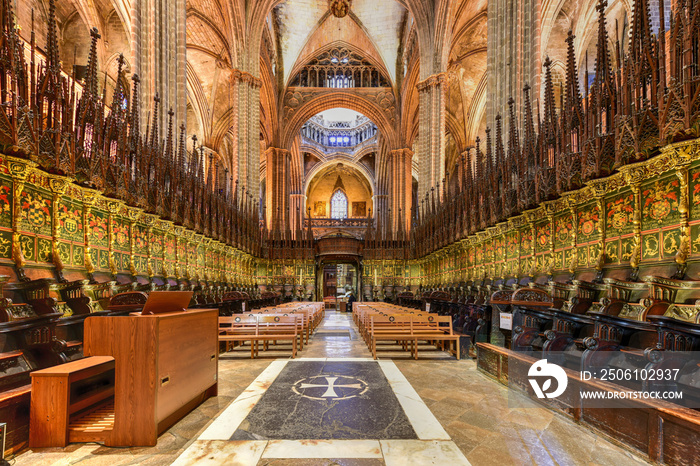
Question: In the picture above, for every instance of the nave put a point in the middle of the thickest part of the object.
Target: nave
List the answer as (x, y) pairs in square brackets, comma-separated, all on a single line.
[(434, 410)]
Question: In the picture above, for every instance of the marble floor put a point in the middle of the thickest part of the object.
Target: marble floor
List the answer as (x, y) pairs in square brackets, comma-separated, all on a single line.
[(322, 409)]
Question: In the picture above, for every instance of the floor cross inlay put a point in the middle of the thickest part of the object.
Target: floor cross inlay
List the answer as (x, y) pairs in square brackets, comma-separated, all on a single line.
[(326, 408)]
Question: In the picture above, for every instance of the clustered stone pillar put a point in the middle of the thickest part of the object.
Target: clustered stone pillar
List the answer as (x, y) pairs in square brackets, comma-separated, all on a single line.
[(513, 55), (158, 34), (431, 132), (381, 208), (402, 188), (245, 91), (297, 210), (277, 190)]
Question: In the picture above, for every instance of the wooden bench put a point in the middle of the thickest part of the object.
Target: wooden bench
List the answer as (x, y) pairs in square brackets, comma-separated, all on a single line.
[(409, 329), (390, 328), (258, 328), (435, 329), (72, 402)]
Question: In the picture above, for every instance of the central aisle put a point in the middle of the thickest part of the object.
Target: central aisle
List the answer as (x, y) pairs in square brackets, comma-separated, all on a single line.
[(332, 405)]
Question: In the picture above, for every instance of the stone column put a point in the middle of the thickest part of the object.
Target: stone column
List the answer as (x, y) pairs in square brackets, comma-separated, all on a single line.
[(401, 188), (158, 34), (277, 192), (431, 132), (513, 55), (245, 91), (381, 209)]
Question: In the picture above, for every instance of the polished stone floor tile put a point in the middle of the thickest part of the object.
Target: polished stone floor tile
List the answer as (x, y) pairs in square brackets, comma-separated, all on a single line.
[(323, 449), (216, 452), (422, 453)]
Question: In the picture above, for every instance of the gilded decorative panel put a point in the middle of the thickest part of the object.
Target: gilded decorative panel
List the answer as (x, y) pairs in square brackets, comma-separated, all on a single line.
[(64, 252), (543, 233), (512, 246), (695, 239), (170, 245), (583, 259), (660, 203), (526, 241), (499, 248), (563, 231), (35, 208), (140, 233), (626, 249), (650, 246), (671, 241), (43, 250), (121, 231), (98, 224), (94, 257), (69, 214), (78, 259), (619, 214), (559, 261), (28, 247), (156, 243), (593, 253), (5, 203), (104, 259), (612, 252), (588, 223), (5, 244), (694, 177)]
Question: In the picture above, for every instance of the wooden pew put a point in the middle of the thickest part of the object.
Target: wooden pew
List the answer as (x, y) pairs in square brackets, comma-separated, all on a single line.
[(258, 328), (408, 329)]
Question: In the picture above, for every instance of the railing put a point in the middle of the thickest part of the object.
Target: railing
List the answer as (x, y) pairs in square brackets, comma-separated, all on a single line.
[(349, 148), (337, 222)]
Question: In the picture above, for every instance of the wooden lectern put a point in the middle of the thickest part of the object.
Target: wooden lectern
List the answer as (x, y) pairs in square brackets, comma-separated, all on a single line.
[(165, 365)]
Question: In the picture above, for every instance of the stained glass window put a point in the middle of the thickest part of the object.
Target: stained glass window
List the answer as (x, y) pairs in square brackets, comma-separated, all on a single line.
[(339, 205)]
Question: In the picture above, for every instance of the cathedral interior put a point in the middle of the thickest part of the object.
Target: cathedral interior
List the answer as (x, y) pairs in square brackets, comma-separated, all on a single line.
[(469, 188)]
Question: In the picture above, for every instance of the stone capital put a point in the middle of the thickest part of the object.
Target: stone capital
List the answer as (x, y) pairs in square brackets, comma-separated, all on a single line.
[(277, 152), (238, 76), (431, 82), (408, 153)]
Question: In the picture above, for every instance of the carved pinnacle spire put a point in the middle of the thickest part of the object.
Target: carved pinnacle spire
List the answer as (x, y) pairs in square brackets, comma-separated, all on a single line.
[(135, 114), (169, 137), (91, 74), (154, 126), (118, 95), (571, 89), (550, 124), (53, 62)]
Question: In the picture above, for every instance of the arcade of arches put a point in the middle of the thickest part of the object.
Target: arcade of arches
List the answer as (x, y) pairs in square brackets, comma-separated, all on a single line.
[(526, 172)]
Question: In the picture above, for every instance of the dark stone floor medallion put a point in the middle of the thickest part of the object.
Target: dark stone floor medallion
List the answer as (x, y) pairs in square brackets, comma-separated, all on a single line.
[(325, 400)]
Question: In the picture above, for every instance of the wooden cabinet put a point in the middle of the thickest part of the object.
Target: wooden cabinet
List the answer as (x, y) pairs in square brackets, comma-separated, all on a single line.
[(165, 365)]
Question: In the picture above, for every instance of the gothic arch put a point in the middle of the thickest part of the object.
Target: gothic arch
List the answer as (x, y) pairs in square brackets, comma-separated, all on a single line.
[(378, 104), (319, 168)]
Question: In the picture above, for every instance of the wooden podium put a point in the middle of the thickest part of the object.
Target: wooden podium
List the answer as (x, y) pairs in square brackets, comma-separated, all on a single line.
[(165, 365)]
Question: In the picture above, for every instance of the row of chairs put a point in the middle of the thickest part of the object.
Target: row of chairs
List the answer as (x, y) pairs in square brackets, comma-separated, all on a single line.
[(381, 322), (292, 322)]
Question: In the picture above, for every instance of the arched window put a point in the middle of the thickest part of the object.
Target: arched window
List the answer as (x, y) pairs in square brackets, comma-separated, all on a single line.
[(339, 205)]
